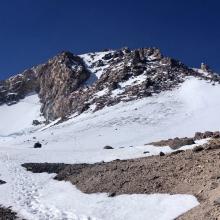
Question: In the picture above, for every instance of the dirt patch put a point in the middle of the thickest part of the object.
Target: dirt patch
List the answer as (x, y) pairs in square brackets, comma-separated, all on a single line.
[(183, 172), (7, 214)]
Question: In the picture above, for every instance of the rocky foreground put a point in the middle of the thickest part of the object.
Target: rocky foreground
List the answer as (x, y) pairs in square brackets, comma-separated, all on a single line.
[(193, 172)]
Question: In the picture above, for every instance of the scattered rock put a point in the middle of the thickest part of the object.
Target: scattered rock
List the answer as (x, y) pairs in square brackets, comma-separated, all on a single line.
[(216, 134), (146, 152), (179, 142), (198, 136), (2, 182), (37, 145), (205, 68), (36, 122), (113, 194), (162, 154), (107, 147)]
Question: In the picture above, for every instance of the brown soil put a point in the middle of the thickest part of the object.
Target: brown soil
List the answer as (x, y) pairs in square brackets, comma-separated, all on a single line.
[(195, 172)]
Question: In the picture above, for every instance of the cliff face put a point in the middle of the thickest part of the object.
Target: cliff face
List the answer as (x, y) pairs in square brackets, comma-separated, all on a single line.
[(69, 84), (54, 81), (57, 79)]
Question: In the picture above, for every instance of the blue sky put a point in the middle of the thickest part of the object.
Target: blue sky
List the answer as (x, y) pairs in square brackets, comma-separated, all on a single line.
[(31, 31)]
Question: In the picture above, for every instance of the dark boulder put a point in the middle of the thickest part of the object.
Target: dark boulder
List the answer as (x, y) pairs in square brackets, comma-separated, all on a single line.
[(37, 145), (2, 182), (179, 142), (107, 147), (162, 154), (36, 122)]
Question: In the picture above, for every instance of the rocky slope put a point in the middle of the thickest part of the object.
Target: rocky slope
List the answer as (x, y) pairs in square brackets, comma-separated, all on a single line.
[(69, 83), (193, 171)]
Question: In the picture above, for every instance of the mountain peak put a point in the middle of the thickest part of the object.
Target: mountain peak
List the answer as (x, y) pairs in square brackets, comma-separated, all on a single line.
[(69, 83)]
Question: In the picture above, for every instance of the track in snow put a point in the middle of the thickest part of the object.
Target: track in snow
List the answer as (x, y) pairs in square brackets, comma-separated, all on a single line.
[(25, 189)]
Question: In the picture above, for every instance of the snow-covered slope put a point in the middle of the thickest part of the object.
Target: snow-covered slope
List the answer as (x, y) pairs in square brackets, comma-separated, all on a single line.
[(17, 119), (193, 106)]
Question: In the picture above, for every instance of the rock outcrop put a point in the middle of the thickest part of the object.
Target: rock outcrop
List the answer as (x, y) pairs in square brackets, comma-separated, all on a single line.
[(69, 83)]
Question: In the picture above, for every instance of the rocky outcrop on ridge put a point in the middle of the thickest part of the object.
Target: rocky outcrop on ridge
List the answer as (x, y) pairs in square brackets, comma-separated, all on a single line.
[(69, 83)]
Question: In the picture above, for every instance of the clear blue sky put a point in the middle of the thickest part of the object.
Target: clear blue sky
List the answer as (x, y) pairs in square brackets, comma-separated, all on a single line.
[(31, 31)]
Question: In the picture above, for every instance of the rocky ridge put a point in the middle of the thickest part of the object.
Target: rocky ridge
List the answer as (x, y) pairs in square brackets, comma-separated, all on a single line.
[(68, 83)]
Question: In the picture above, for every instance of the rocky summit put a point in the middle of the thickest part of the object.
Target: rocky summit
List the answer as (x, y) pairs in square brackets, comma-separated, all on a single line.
[(69, 83)]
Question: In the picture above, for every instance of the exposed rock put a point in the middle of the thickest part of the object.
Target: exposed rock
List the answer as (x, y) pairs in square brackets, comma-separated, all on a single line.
[(179, 142), (7, 214), (174, 143), (36, 122), (113, 194), (205, 67), (2, 182), (61, 83), (37, 145), (146, 152), (216, 134), (207, 134), (45, 167), (162, 154), (107, 147)]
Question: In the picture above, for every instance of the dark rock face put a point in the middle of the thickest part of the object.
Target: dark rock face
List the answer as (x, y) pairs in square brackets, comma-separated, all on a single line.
[(63, 88), (54, 82), (58, 78)]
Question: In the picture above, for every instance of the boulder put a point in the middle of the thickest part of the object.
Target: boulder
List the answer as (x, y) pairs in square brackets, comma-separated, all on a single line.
[(36, 122), (37, 145), (107, 147)]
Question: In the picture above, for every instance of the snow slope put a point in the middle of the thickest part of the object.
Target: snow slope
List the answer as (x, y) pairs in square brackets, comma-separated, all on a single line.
[(194, 106), (17, 119)]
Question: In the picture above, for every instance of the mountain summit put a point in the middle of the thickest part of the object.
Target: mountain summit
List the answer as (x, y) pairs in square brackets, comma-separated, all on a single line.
[(69, 83)]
